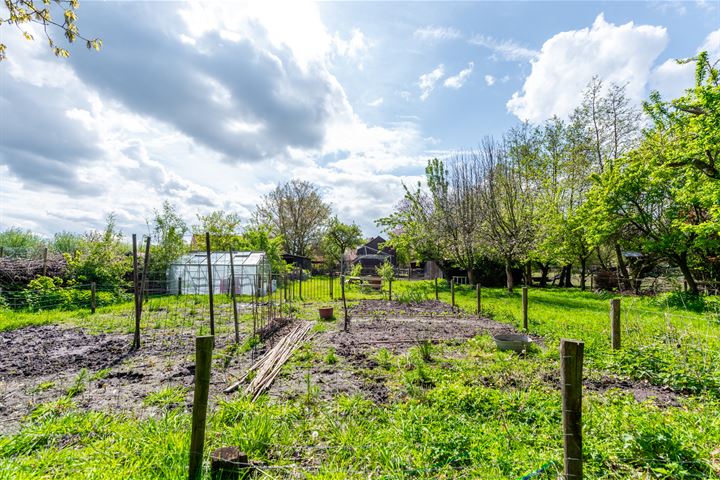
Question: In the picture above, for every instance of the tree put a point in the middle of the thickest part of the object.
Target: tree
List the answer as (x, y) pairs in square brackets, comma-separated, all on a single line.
[(18, 242), (686, 131), (168, 230), (223, 228), (507, 197), (338, 238), (260, 238), (21, 13), (102, 257), (66, 242), (295, 211)]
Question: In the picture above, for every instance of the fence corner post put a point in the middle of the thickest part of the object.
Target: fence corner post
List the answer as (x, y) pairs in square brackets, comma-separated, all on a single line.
[(571, 375), (203, 360)]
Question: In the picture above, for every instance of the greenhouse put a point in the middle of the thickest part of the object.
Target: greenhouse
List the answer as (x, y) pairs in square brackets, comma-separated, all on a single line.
[(189, 273)]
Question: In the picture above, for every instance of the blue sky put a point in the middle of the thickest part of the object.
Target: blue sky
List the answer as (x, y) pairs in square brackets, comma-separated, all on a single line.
[(211, 105)]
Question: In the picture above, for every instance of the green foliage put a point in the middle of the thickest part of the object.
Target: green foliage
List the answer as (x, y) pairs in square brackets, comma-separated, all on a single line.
[(168, 232), (18, 242), (260, 238), (356, 270), (414, 295), (331, 358), (337, 239), (46, 293), (223, 228), (386, 271), (66, 242), (102, 258), (166, 398)]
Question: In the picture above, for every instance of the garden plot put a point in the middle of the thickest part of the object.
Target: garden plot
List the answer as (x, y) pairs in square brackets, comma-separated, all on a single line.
[(100, 372)]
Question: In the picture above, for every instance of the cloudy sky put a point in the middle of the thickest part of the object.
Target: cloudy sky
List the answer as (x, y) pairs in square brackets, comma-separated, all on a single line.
[(211, 105)]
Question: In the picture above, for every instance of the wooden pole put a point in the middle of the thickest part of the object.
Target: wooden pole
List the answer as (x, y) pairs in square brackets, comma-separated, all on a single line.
[(234, 298), (93, 303), (300, 286), (136, 291), (478, 298), (390, 289), (615, 322), (203, 358), (525, 307), (44, 270), (2, 252), (342, 289), (571, 364), (210, 284), (331, 285), (452, 294), (437, 295), (179, 291), (143, 284), (228, 463)]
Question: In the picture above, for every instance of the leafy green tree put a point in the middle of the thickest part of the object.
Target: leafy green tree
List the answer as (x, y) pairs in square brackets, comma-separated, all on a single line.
[(19, 242), (168, 230), (66, 242), (260, 238), (20, 13), (338, 238), (102, 257), (224, 229), (686, 130)]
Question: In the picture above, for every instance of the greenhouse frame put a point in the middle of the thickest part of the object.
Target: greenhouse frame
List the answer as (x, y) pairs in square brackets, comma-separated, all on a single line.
[(189, 273)]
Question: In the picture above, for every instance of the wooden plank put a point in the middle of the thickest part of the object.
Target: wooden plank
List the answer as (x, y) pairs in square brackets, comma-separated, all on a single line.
[(203, 359)]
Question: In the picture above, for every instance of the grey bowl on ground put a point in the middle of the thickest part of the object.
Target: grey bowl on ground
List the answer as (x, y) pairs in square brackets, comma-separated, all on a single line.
[(512, 341)]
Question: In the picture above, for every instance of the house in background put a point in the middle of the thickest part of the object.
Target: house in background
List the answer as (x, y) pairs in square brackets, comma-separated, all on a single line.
[(373, 254)]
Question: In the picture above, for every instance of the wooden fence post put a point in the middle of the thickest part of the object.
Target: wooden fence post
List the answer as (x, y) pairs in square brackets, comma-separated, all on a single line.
[(478, 298), (437, 295), (143, 283), (211, 300), (234, 297), (179, 291), (525, 307), (203, 359), (390, 290), (571, 366), (44, 269), (331, 285), (93, 302), (452, 294), (615, 323), (136, 291), (342, 289), (300, 286)]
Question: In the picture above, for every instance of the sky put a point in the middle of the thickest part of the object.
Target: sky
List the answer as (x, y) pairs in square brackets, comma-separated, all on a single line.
[(211, 105)]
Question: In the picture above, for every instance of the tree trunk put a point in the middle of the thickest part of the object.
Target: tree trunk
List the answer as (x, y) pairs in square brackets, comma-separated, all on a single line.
[(625, 276), (561, 282), (508, 275), (472, 277), (528, 273), (583, 265), (687, 274), (568, 276), (544, 269)]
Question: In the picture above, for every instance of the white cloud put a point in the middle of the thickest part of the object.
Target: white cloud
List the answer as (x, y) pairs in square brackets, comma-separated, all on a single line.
[(352, 48), (489, 80), (507, 49), (457, 81), (376, 103), (437, 33), (427, 81), (567, 62), (671, 78)]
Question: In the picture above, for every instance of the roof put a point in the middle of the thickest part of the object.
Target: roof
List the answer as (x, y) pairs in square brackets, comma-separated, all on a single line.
[(221, 258)]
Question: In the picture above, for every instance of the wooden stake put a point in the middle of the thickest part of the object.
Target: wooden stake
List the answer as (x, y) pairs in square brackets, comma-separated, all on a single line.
[(44, 270), (179, 291), (143, 283), (452, 294), (300, 286), (615, 323), (571, 364), (210, 284), (203, 359), (93, 304), (525, 307), (136, 291), (478, 298), (390, 289), (234, 298), (342, 288), (331, 285), (437, 295)]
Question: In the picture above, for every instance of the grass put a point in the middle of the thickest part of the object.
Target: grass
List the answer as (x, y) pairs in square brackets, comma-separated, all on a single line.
[(464, 410)]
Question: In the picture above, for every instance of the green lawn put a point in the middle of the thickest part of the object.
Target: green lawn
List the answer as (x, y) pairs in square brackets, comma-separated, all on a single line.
[(468, 411)]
